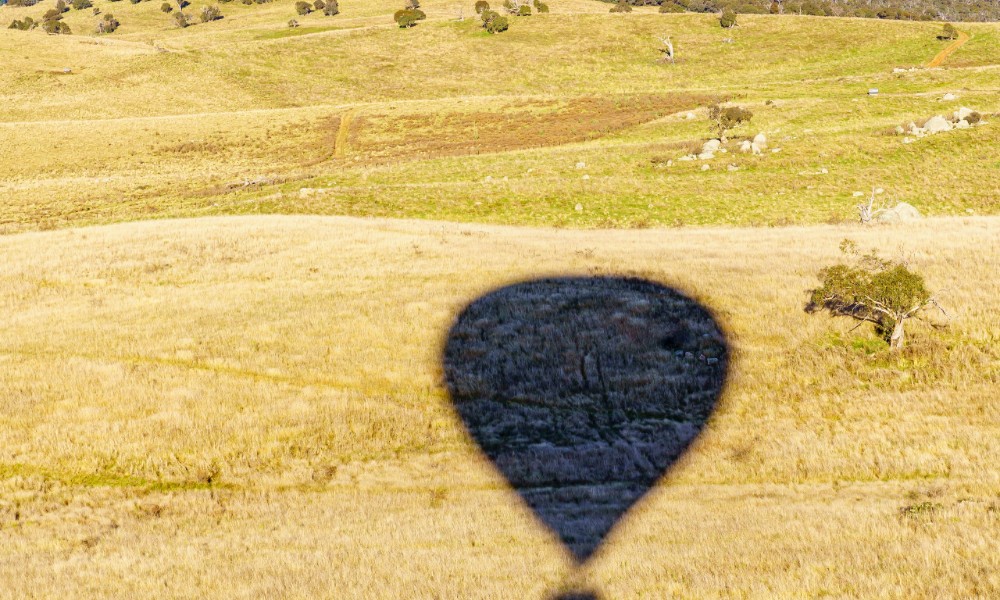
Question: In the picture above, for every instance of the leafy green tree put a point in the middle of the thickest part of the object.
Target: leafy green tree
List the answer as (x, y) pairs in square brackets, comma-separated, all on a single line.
[(873, 290), (728, 18), (494, 22), (408, 17)]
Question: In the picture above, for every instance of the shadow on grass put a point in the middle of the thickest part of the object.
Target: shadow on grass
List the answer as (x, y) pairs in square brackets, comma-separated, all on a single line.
[(583, 392)]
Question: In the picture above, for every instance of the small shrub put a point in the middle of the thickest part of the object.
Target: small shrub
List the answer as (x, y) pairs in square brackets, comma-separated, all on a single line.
[(541, 7), (96, 11), (293, 24), (524, 11), (319, 5), (166, 7), (108, 24), (973, 118), (948, 32), (303, 8), (408, 17), (621, 7), (671, 7), (181, 20), (728, 19), (725, 118), (482, 6), (412, 4), (82, 4), (210, 13), (332, 8), (61, 6)]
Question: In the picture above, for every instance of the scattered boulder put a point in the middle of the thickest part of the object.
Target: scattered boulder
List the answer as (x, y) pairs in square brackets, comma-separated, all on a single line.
[(949, 97), (760, 139), (937, 124), (900, 213), (962, 113), (746, 146), (963, 124), (711, 146), (581, 165)]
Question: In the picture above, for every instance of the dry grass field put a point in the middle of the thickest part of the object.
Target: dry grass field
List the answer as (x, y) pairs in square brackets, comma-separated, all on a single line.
[(254, 407), (249, 401)]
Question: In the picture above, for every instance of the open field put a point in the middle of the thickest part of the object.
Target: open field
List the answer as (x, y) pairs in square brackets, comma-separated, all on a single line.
[(253, 407), (446, 122), (248, 402)]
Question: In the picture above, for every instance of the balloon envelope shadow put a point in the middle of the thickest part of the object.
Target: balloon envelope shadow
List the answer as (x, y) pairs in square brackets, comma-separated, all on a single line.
[(584, 391)]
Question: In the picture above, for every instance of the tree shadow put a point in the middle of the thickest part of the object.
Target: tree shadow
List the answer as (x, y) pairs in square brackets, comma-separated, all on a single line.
[(583, 391)]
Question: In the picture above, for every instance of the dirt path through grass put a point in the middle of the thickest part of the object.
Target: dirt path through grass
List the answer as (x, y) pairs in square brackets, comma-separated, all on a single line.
[(943, 55)]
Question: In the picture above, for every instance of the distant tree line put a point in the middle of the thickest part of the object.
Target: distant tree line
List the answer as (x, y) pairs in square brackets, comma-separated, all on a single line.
[(912, 10)]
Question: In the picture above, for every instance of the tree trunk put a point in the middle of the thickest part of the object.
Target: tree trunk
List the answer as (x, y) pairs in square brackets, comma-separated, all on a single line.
[(898, 337)]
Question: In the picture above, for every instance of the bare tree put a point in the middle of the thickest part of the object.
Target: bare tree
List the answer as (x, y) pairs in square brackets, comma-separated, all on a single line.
[(867, 211), (667, 49)]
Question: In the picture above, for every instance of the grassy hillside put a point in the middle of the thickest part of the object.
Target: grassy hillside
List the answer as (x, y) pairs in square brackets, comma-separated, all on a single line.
[(254, 407), (237, 116)]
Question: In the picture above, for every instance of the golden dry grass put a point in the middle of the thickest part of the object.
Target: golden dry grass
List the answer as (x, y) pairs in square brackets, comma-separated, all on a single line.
[(252, 407)]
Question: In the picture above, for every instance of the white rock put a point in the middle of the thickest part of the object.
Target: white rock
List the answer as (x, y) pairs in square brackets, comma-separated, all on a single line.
[(488, 178), (586, 177), (899, 213), (775, 150), (879, 191), (706, 156), (756, 148), (711, 146), (581, 165), (705, 167), (908, 140), (306, 192), (900, 130), (670, 163), (733, 168), (690, 115), (746, 146), (858, 194), (823, 171), (579, 207), (760, 139), (688, 157), (949, 97), (912, 127), (963, 124), (937, 124), (962, 113)]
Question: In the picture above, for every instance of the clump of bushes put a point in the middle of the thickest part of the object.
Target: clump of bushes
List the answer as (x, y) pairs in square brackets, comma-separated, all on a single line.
[(293, 24), (331, 8), (494, 22), (541, 7), (27, 24), (621, 7), (210, 13), (671, 7), (166, 7), (482, 6), (303, 8), (13, 3), (181, 20), (82, 4), (52, 20), (108, 24)]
